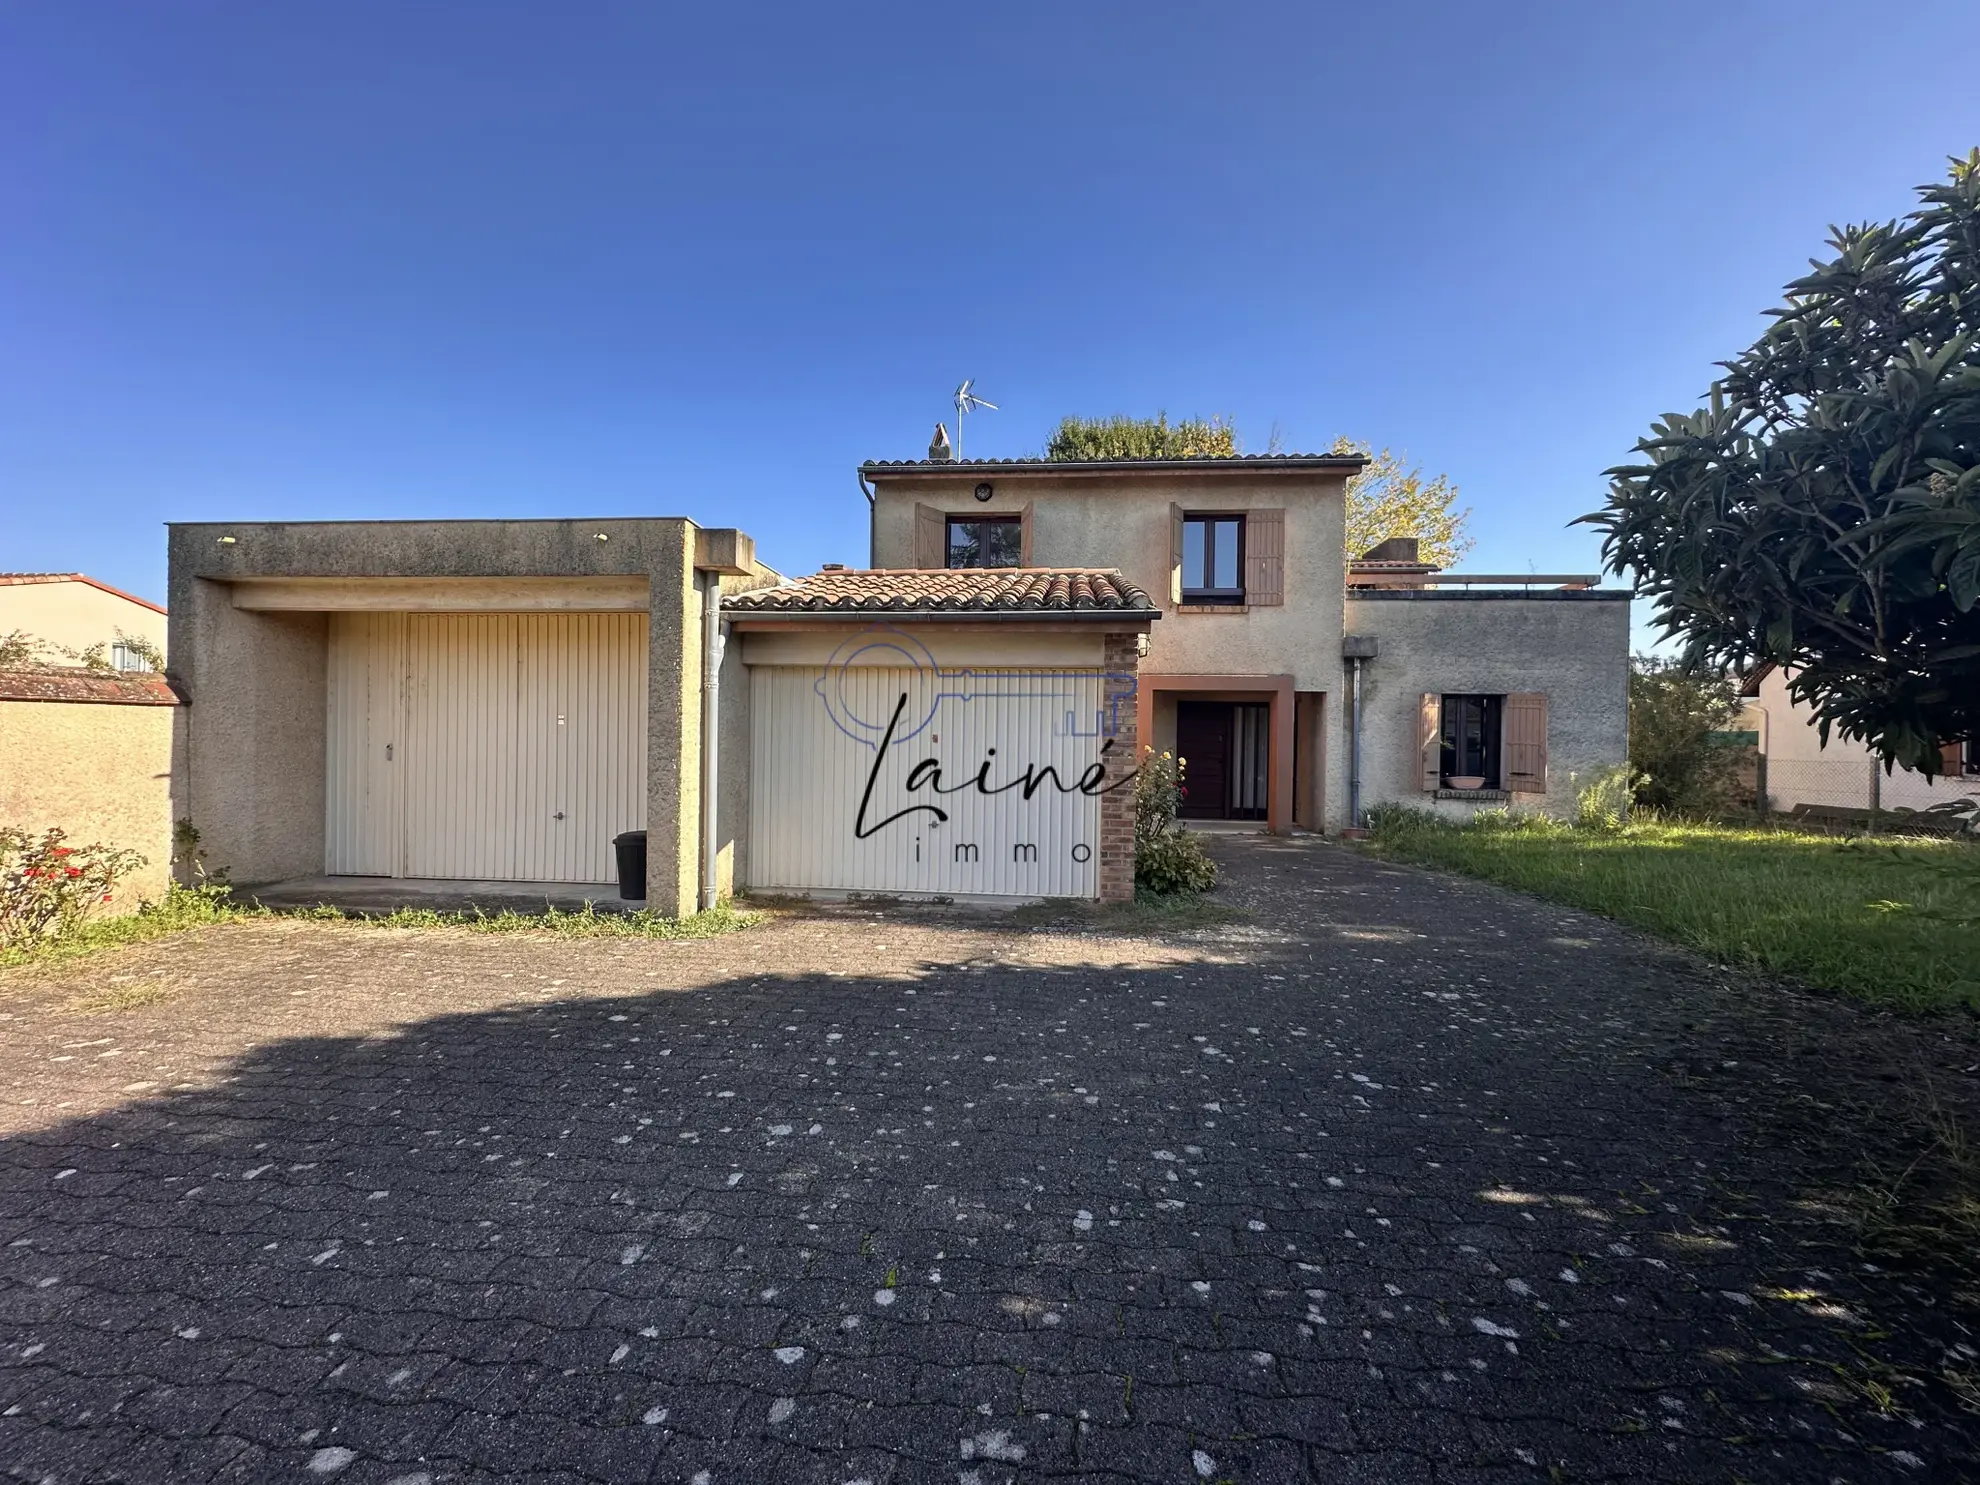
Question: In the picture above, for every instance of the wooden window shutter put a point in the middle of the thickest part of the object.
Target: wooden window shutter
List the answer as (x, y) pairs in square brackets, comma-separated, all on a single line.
[(931, 537), (1175, 554), (1024, 538), (1526, 742), (1265, 557), (1952, 759), (1430, 742)]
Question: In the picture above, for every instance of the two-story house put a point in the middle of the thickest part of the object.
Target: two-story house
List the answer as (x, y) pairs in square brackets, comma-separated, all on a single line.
[(1204, 606), (494, 701)]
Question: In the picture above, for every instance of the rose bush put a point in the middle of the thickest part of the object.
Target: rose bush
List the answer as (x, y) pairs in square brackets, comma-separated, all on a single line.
[(47, 886), (1166, 858)]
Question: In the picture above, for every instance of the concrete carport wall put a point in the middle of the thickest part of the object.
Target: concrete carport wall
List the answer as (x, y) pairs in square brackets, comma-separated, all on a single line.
[(250, 619), (1569, 645)]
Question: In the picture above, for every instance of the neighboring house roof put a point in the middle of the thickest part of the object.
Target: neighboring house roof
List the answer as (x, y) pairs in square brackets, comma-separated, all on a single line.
[(12, 578), (1015, 591), (1751, 685), (64, 683), (1342, 463)]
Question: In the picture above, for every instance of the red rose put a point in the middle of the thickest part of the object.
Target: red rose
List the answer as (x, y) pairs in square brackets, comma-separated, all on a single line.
[(74, 871)]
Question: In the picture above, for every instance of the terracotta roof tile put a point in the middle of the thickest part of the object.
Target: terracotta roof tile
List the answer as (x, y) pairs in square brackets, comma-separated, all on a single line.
[(66, 683), (950, 590)]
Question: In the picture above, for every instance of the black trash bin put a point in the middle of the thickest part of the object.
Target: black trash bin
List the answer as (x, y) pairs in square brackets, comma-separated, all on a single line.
[(631, 847)]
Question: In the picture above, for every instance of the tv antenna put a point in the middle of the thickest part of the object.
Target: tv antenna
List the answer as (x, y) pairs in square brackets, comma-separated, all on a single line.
[(967, 402)]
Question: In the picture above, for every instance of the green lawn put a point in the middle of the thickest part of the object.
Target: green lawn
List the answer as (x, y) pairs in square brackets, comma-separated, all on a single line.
[(1895, 925)]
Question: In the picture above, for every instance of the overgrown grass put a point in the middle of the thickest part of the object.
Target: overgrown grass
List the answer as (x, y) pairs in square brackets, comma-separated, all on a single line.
[(1894, 925), (182, 909), (586, 922)]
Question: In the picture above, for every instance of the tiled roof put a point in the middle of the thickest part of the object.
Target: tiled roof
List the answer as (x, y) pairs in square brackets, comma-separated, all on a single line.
[(949, 590), (67, 683)]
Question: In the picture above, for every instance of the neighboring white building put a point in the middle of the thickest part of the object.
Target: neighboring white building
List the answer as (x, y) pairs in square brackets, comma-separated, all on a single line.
[(1801, 770), (72, 612)]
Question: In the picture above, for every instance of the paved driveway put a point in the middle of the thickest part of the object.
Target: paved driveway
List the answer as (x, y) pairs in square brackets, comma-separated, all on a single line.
[(1405, 1179)]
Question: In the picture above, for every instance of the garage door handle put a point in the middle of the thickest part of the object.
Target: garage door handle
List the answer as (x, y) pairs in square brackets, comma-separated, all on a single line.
[(558, 816)]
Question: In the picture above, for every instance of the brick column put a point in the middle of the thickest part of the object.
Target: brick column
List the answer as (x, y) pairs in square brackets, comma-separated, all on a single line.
[(1117, 806)]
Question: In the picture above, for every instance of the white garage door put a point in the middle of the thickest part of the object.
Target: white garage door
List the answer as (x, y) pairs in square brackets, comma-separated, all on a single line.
[(487, 747), (922, 781)]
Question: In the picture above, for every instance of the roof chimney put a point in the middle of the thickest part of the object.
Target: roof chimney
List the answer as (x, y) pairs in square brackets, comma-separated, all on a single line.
[(1395, 549), (938, 446)]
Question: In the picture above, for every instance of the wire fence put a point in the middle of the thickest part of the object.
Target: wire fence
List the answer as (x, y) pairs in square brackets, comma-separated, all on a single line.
[(1858, 784)]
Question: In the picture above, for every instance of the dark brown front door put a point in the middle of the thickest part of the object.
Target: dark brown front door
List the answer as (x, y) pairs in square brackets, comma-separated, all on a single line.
[(1223, 745), (1203, 742)]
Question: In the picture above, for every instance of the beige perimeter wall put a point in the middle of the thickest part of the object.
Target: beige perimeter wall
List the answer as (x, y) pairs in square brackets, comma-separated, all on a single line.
[(100, 771)]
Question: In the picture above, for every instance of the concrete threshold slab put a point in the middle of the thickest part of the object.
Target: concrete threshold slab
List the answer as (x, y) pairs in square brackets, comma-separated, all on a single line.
[(370, 895)]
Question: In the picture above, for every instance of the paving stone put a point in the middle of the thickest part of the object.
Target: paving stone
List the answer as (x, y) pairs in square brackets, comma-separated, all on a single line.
[(1400, 1179)]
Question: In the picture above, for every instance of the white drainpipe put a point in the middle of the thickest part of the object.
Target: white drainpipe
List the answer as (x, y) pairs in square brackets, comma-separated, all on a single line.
[(712, 644)]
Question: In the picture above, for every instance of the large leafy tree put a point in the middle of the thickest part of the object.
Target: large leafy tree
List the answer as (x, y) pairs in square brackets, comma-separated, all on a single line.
[(1822, 513), (1122, 437), (1388, 498), (1392, 497)]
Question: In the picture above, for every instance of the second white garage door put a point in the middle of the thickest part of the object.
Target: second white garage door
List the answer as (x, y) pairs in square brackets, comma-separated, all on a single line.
[(486, 747), (922, 781)]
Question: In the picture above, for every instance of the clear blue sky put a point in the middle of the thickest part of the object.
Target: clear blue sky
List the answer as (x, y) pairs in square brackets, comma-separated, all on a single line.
[(432, 260)]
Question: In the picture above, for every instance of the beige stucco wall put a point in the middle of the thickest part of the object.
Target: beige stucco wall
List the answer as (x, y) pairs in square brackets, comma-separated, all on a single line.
[(249, 774), (1124, 521), (1574, 647), (74, 615), (101, 772)]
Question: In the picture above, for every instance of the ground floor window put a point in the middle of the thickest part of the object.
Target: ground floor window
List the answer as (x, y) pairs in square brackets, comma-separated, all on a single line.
[(1472, 735)]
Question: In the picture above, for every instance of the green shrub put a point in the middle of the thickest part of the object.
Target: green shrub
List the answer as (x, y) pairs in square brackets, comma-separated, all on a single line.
[(1675, 715), (1166, 857), (1174, 861)]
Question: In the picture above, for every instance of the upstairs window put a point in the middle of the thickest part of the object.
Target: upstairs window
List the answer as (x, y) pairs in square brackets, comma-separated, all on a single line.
[(1213, 559), (128, 657), (986, 541)]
